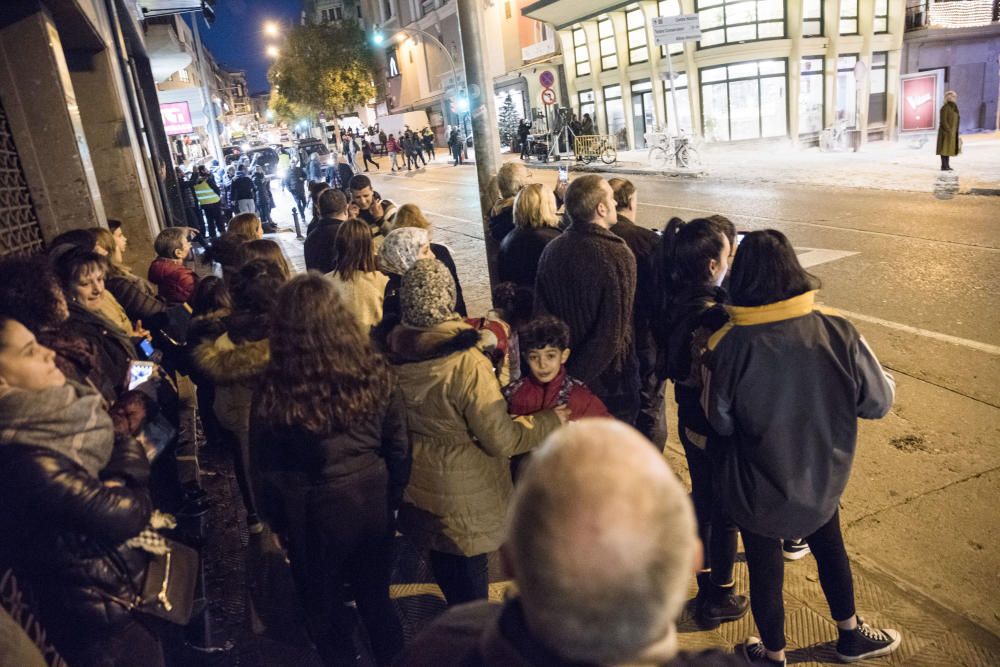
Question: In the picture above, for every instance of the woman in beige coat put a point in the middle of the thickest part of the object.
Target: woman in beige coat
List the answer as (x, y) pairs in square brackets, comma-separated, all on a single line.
[(360, 285), (461, 434)]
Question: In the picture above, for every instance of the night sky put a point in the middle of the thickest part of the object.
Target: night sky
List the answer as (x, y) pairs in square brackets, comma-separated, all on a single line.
[(237, 39)]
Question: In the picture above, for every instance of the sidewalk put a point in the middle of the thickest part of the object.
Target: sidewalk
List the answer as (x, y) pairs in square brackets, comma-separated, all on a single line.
[(881, 165)]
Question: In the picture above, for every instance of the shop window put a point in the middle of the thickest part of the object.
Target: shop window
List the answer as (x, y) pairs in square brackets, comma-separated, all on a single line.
[(744, 101), (614, 114), (324, 15), (670, 8), (876, 93), (847, 89), (683, 104), (606, 36), (811, 95), (585, 103), (635, 25), (881, 23), (337, 13), (848, 17), (812, 18), (735, 21), (581, 53)]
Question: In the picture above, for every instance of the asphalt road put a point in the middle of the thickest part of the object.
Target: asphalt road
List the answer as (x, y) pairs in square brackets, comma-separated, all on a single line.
[(919, 277)]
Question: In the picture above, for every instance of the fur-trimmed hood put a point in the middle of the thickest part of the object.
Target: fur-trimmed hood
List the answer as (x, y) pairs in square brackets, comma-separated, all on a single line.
[(226, 362), (408, 344)]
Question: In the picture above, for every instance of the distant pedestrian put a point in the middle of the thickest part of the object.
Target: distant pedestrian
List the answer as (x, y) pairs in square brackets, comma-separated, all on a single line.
[(262, 195), (392, 146), (242, 192), (948, 142), (455, 142), (295, 183), (523, 128), (207, 192), (366, 152), (315, 169), (428, 140)]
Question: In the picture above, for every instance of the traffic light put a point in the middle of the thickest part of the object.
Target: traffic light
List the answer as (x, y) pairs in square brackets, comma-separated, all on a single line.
[(208, 11)]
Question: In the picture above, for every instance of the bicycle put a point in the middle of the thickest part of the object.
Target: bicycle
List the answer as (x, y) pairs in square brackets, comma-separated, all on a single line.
[(670, 151)]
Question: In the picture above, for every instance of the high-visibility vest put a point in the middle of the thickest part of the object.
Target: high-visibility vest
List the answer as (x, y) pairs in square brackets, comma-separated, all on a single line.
[(205, 193)]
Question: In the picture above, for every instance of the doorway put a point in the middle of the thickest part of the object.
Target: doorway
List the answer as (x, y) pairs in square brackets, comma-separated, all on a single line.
[(642, 111)]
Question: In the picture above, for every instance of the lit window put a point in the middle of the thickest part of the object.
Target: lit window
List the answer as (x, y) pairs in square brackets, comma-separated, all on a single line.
[(811, 95), (848, 17), (671, 8), (606, 36), (635, 26), (735, 21), (585, 103), (581, 54), (812, 18), (847, 89), (744, 101), (614, 113), (881, 16)]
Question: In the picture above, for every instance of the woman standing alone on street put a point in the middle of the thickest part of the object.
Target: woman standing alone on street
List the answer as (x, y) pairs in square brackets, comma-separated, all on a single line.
[(948, 143), (785, 382), (329, 429)]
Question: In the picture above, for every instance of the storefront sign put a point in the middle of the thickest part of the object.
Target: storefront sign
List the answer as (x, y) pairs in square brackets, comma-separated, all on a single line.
[(920, 95), (673, 29), (176, 118)]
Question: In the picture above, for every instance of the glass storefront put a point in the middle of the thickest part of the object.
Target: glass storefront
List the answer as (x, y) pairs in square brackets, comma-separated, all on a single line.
[(614, 112), (643, 118), (683, 104), (744, 101), (876, 92), (734, 21), (847, 89), (586, 104), (811, 95)]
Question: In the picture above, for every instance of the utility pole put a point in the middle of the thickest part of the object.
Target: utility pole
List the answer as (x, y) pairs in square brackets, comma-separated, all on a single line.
[(213, 124), (479, 84)]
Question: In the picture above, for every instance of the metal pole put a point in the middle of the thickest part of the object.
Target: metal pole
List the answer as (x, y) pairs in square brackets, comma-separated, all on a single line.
[(673, 93), (213, 129), (481, 108)]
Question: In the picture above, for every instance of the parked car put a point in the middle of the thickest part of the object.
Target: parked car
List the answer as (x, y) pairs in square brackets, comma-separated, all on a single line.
[(307, 147), (264, 156)]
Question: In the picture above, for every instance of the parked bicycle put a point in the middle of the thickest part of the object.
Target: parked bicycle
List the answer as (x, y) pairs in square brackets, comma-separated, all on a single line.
[(668, 151)]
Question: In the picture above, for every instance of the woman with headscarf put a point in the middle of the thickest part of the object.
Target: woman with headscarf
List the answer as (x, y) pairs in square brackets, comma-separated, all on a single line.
[(401, 248), (462, 437)]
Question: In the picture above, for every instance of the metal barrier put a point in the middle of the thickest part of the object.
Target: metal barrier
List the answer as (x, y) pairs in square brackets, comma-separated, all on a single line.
[(588, 147)]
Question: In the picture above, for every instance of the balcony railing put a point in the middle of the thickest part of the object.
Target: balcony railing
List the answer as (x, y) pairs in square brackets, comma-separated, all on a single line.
[(951, 13)]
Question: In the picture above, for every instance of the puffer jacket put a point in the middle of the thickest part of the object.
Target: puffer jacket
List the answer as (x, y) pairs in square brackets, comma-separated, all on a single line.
[(136, 296), (462, 438), (233, 362), (114, 348), (65, 531)]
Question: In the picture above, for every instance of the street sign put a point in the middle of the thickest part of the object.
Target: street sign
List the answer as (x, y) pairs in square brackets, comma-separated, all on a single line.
[(548, 96), (673, 29), (546, 78)]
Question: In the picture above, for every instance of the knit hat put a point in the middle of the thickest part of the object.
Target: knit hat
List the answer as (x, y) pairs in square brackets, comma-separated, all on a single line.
[(427, 296), (400, 249)]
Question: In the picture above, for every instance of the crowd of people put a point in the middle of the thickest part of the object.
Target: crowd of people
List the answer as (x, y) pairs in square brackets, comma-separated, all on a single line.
[(362, 398)]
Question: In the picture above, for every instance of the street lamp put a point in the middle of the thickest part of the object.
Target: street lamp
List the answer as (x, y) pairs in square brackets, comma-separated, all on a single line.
[(272, 51), (271, 29)]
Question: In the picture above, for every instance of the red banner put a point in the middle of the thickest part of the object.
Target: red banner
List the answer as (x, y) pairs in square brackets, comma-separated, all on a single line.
[(919, 103), (176, 118)]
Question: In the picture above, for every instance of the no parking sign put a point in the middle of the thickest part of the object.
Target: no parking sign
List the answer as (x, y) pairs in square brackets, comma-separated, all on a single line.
[(548, 96)]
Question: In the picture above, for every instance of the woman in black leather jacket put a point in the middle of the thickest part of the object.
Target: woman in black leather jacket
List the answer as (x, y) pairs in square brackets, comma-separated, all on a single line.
[(329, 433), (73, 493)]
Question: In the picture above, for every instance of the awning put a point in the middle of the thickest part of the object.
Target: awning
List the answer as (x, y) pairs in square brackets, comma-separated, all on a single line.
[(166, 54), (563, 13)]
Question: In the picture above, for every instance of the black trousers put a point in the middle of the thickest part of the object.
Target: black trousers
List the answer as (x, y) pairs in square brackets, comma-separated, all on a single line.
[(650, 392), (213, 218), (461, 578), (767, 571), (345, 536), (717, 532), (373, 162)]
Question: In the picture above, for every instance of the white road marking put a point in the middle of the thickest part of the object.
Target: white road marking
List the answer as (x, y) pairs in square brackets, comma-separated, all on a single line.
[(810, 257), (944, 338)]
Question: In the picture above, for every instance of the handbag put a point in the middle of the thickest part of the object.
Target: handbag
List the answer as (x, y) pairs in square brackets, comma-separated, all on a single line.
[(168, 585)]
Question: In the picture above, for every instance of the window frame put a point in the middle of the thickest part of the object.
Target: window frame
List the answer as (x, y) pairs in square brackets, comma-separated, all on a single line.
[(609, 39), (728, 81), (884, 68), (578, 62), (821, 74), (847, 70), (884, 17), (632, 50), (713, 4), (849, 17), (821, 19), (580, 103)]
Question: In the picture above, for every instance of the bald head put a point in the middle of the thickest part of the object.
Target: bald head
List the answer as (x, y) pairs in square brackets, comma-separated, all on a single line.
[(601, 543)]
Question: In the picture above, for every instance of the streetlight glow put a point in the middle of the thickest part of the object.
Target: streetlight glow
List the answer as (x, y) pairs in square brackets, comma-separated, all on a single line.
[(377, 38), (271, 29), (272, 51)]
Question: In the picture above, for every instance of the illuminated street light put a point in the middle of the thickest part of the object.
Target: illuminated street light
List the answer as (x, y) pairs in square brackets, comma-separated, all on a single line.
[(271, 29), (378, 38), (272, 51)]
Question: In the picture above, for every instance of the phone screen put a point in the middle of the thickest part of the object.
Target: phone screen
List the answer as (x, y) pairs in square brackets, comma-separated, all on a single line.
[(139, 372), (563, 174), (147, 348)]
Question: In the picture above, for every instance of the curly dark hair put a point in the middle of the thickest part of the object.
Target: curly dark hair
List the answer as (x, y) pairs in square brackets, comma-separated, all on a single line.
[(542, 332), (30, 293), (324, 376)]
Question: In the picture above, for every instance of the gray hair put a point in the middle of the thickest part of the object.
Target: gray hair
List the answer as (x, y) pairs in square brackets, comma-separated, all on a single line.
[(601, 540), (511, 178)]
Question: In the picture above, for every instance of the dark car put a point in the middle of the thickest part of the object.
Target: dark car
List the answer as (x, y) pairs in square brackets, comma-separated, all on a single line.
[(264, 156), (231, 154), (308, 147)]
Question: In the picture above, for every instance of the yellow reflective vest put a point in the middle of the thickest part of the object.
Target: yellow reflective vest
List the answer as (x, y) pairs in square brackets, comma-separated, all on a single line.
[(205, 194)]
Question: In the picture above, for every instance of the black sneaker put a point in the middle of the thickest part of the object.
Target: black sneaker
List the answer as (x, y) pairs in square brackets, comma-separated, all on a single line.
[(794, 549), (754, 653), (865, 642)]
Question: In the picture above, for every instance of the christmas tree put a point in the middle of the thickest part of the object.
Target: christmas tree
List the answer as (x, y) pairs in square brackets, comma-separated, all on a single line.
[(508, 122)]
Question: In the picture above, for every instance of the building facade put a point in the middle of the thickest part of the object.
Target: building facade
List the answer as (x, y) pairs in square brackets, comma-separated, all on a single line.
[(771, 69)]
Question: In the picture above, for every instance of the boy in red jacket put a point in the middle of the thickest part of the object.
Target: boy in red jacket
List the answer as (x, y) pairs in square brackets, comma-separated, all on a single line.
[(174, 281)]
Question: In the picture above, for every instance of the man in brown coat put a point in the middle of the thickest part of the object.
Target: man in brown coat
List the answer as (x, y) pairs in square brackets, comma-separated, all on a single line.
[(948, 143)]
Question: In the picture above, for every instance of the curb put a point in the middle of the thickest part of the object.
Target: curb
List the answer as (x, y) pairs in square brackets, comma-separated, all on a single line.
[(631, 171), (989, 192)]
